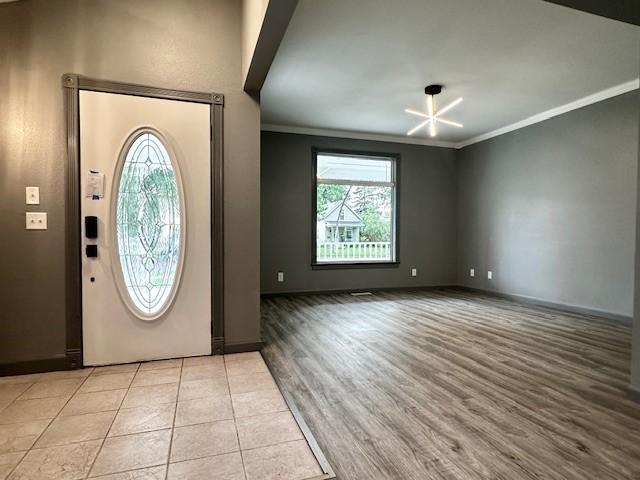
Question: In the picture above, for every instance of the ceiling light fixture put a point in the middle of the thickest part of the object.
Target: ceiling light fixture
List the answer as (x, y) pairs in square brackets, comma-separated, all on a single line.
[(433, 116)]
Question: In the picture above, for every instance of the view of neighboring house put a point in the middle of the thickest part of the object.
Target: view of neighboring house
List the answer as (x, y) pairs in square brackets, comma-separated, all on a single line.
[(339, 224)]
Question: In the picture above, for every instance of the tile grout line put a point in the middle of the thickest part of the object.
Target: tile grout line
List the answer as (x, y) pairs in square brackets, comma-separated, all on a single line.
[(48, 424), (120, 407), (112, 421), (32, 384), (164, 428), (195, 423), (207, 456), (235, 423), (2, 409), (24, 454), (137, 469), (40, 378), (120, 472), (220, 455), (173, 423), (308, 436), (234, 451), (40, 398), (287, 410), (159, 429)]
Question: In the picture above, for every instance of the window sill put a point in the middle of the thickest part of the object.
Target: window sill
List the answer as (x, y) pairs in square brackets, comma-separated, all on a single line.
[(353, 265)]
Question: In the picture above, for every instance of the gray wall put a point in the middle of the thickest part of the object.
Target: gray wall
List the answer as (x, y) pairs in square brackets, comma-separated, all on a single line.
[(125, 41), (551, 208), (426, 219), (635, 350)]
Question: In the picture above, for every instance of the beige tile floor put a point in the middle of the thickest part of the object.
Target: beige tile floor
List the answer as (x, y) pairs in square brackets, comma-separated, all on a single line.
[(198, 418)]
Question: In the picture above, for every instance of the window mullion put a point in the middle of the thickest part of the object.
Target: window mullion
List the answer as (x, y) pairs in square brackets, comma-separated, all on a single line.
[(355, 183)]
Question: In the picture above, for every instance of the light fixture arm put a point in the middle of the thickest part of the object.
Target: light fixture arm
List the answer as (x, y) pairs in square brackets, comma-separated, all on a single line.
[(433, 116)]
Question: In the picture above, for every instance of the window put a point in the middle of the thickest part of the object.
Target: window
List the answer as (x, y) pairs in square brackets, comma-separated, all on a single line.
[(148, 226), (349, 234), (355, 208)]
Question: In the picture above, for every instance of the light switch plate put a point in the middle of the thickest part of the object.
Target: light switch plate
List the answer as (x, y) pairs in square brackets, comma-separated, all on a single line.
[(472, 272), (414, 272), (36, 221), (32, 195), (489, 274), (280, 277)]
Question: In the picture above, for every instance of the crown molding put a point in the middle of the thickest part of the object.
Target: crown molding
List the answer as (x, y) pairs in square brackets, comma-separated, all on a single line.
[(554, 112), (540, 117), (321, 132)]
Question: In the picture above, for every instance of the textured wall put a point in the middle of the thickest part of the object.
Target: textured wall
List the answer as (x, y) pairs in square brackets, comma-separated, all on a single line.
[(191, 45), (253, 12), (551, 208), (426, 216)]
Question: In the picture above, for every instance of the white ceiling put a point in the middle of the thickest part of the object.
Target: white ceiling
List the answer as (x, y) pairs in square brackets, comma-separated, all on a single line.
[(355, 65)]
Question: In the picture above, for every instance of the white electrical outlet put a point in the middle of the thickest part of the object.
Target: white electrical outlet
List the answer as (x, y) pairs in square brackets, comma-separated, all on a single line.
[(414, 272), (32, 195), (36, 221), (489, 274), (280, 277), (472, 272)]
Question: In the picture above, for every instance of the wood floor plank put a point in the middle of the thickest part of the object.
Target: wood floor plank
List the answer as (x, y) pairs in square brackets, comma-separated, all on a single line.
[(447, 384)]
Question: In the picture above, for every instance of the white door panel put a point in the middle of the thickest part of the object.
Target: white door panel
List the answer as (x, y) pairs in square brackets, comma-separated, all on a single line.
[(112, 332)]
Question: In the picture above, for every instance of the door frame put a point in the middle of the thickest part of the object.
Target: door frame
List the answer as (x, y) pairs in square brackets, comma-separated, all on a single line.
[(72, 85)]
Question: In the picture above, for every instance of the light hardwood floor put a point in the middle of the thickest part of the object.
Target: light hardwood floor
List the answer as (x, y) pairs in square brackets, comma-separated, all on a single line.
[(448, 384)]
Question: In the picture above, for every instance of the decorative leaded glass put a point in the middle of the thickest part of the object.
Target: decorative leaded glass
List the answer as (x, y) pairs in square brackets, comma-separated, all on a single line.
[(148, 227)]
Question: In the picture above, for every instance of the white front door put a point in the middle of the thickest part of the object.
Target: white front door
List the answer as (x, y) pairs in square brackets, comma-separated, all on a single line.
[(145, 174)]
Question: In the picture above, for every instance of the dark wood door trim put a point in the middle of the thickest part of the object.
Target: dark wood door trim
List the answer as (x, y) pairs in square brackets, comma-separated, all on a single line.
[(72, 84)]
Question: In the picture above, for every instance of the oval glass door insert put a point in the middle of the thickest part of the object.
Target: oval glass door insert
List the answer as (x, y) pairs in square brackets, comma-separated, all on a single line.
[(149, 225)]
